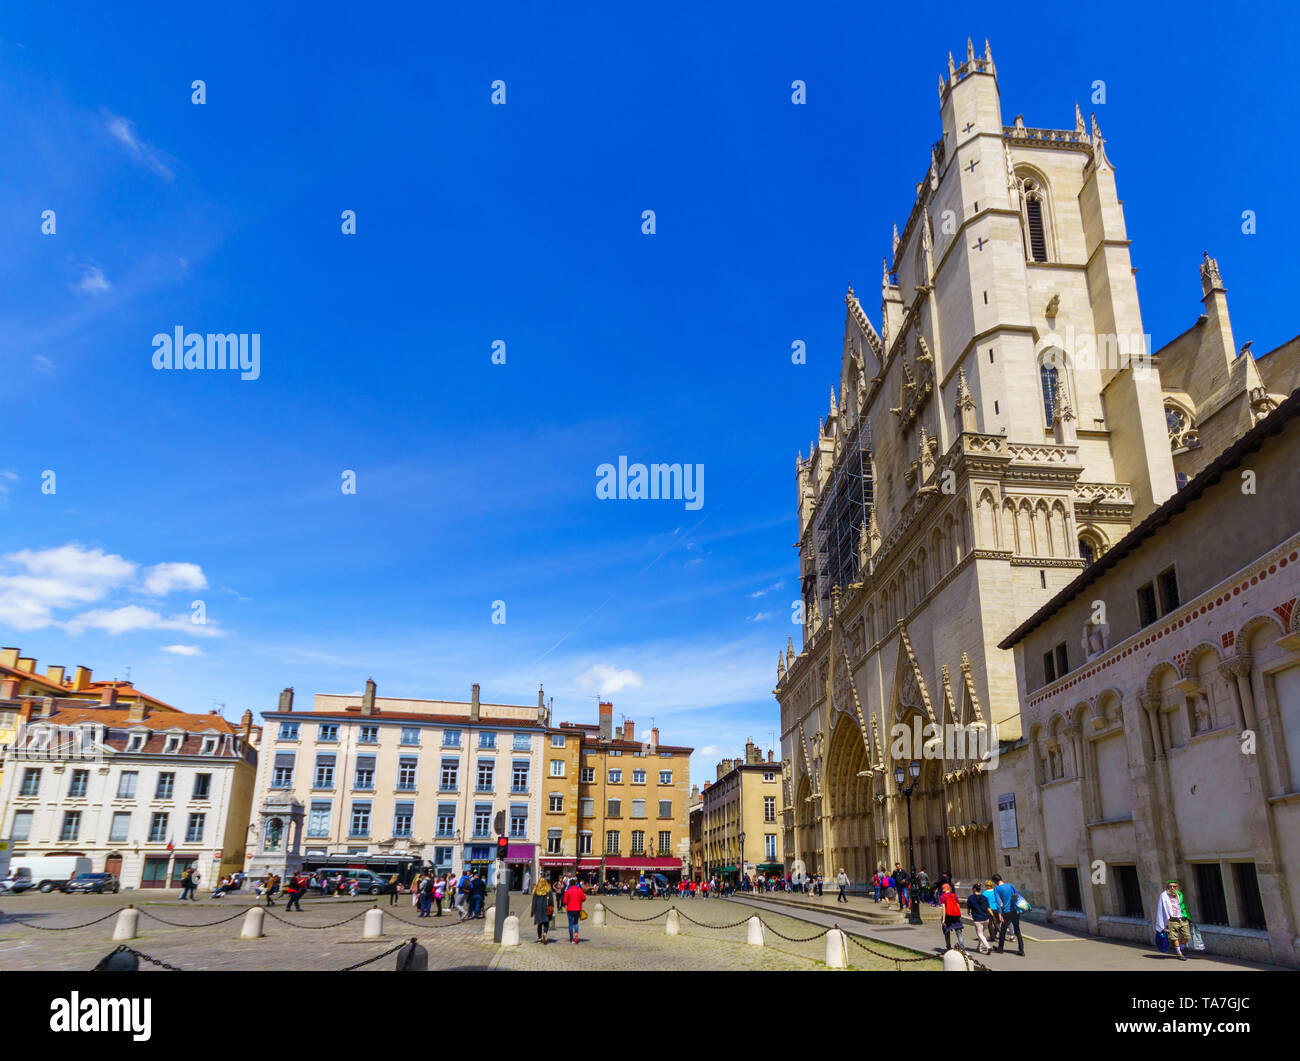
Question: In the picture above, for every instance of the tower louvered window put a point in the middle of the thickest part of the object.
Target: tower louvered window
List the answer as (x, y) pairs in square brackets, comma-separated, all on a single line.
[(1037, 238)]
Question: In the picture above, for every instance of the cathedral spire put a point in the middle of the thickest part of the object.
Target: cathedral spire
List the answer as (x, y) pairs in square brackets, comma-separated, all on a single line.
[(964, 410), (895, 239), (1079, 127), (884, 273), (1099, 146), (988, 55), (789, 651), (834, 405), (970, 51), (952, 67)]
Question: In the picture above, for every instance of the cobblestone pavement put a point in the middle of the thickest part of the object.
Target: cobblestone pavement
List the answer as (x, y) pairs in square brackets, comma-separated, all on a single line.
[(204, 935)]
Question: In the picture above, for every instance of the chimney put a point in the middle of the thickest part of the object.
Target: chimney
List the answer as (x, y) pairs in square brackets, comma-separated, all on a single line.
[(9, 689), (81, 679), (368, 698), (769, 755), (654, 736), (26, 663), (139, 709), (606, 720), (55, 674), (246, 723), (108, 697), (8, 657), (473, 702), (629, 727), (753, 753), (286, 700), (695, 793)]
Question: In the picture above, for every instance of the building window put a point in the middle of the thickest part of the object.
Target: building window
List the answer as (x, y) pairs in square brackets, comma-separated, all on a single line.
[(327, 732), (557, 767), (364, 778), (616, 777), (557, 740), (553, 841), (1167, 580), (638, 777), (769, 808), (1035, 221), (324, 771), (769, 847), (194, 831), (71, 826), (615, 751), (446, 820), (614, 809), (117, 832), (369, 735), (288, 730), (77, 784), (125, 784), (665, 842), (638, 842), (157, 827), (451, 738), (1087, 552), (1209, 889), (1073, 896), (588, 775), (611, 842), (172, 744), (485, 768), (447, 779), (769, 778), (482, 819), (665, 808), (166, 785), (318, 820), (587, 807), (360, 824), (22, 829), (209, 746), (282, 773), (403, 814), (638, 808), (1049, 667), (1130, 892), (202, 786), (1146, 602), (487, 740), (410, 735), (665, 777), (442, 857), (135, 742), (518, 822), (523, 742), (1182, 431), (584, 843), (556, 803), (1252, 905), (407, 768), (519, 777), (1050, 379), (31, 782), (1062, 660)]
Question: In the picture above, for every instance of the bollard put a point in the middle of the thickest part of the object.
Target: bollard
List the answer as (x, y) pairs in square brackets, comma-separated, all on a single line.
[(510, 932), (372, 925), (836, 949), (128, 924), (755, 932), (118, 961), (673, 926), (253, 923), (955, 962), (490, 921), (413, 958), (598, 916)]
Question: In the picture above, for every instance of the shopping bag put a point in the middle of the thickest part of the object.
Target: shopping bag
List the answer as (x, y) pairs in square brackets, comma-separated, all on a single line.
[(1162, 941), (582, 915), (1197, 942), (1023, 905)]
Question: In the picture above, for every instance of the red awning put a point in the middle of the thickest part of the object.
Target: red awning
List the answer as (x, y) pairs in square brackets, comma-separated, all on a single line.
[(644, 863), (589, 863)]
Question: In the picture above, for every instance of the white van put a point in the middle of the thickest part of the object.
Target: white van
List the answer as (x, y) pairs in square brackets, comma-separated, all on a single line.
[(51, 871)]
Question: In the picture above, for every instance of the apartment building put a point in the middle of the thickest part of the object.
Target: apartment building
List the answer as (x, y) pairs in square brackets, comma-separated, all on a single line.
[(740, 833), (389, 778)]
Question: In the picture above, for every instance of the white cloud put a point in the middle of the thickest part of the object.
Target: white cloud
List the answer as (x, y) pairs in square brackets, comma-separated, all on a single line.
[(710, 749), (123, 130), (162, 579), (763, 592), (133, 617), (6, 477), (93, 280), (607, 679), (761, 616), (41, 581), (183, 650), (42, 364)]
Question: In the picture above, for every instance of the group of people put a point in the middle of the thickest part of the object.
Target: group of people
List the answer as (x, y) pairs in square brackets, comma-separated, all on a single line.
[(547, 899), (464, 894)]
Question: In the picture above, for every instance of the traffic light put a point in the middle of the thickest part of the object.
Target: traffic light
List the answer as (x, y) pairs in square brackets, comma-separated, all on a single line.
[(502, 844)]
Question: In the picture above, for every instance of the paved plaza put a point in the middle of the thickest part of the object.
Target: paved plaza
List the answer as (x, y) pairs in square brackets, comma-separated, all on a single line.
[(327, 935)]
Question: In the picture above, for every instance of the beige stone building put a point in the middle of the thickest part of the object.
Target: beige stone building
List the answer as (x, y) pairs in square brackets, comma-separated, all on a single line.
[(1003, 428), (1162, 715), (562, 766), (740, 831)]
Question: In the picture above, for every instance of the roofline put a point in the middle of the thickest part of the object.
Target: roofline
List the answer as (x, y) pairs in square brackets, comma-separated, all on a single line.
[(1272, 424)]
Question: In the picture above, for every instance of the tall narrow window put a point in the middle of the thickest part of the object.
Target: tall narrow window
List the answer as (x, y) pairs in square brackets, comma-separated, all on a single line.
[(1037, 239), (1050, 380)]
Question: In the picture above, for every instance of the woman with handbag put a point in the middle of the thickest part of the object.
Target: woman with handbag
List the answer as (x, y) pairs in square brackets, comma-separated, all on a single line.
[(543, 907), (574, 897)]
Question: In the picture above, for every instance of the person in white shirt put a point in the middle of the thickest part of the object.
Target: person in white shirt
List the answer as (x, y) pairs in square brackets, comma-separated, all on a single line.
[(1172, 918)]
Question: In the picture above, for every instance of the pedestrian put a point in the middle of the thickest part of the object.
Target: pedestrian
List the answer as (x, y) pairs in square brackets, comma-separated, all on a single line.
[(977, 905), (1009, 912), (194, 885), (574, 897), (439, 890), (543, 900), (426, 894), (842, 881), (394, 889), (923, 892), (462, 896), (528, 882), (995, 918), (1172, 918), (293, 888), (478, 892), (185, 885), (272, 886), (951, 916), (901, 881)]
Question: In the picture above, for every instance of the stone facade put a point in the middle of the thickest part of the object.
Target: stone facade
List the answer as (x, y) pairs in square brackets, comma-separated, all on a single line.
[(743, 801)]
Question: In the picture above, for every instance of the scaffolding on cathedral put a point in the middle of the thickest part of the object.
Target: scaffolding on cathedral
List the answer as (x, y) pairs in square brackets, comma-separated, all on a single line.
[(842, 514)]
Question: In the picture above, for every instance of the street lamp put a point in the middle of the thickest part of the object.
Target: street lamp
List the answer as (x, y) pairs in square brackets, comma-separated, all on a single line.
[(740, 863), (913, 768)]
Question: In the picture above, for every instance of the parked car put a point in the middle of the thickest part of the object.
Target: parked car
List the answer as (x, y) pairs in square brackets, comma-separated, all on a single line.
[(93, 882), (18, 880), (52, 871)]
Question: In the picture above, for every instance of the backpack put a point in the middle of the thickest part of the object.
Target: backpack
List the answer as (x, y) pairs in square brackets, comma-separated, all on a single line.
[(951, 904)]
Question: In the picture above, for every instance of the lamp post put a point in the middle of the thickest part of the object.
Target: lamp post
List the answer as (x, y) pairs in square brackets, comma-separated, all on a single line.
[(740, 864), (913, 768)]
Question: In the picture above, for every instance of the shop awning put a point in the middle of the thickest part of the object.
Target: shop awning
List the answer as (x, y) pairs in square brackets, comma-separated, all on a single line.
[(553, 862), (674, 864), (724, 869), (520, 852), (771, 867), (589, 863)]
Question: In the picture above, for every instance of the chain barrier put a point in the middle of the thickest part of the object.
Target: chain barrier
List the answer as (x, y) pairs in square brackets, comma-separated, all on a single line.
[(197, 924), (889, 957), (334, 924), (64, 928), (639, 920), (703, 924), (793, 939), (369, 961), (124, 949)]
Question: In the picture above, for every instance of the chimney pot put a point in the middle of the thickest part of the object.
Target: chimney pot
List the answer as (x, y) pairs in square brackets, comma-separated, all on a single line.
[(8, 689), (27, 663), (473, 703), (286, 699), (55, 674), (629, 727), (9, 657), (81, 679), (109, 696), (368, 698)]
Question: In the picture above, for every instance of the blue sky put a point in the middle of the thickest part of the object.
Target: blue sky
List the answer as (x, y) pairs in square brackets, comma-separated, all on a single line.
[(520, 223)]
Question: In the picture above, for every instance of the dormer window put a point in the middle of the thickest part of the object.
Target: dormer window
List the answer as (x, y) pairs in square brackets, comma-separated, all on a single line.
[(135, 742), (172, 744), (209, 746)]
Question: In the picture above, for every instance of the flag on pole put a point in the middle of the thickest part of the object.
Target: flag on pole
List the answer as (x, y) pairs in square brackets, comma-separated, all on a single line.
[(170, 845)]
